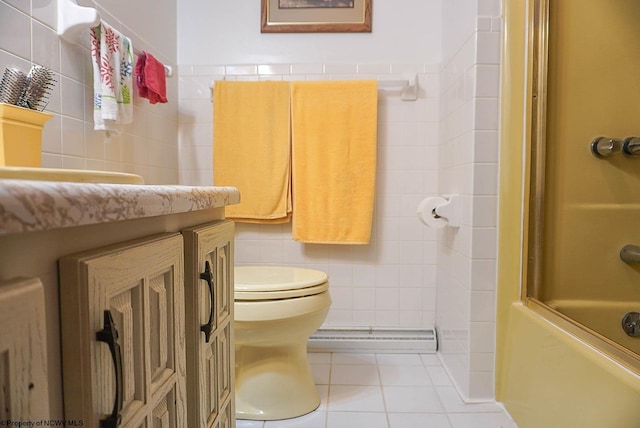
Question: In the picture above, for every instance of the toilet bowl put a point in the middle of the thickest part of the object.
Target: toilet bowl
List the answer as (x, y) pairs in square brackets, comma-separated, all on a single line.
[(277, 309)]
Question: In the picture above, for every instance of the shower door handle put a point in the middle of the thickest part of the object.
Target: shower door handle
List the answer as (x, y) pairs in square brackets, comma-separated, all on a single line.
[(630, 254)]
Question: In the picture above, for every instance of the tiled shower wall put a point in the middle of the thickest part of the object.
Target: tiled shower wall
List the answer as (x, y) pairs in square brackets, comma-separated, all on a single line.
[(148, 146), (468, 165), (390, 282)]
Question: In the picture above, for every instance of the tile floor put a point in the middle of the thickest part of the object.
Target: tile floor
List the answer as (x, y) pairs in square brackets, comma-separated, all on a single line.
[(388, 391)]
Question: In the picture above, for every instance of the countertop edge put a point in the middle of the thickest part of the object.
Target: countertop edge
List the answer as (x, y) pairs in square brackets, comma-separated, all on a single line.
[(29, 206)]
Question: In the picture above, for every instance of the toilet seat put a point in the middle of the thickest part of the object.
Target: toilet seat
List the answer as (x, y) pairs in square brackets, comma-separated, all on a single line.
[(275, 282)]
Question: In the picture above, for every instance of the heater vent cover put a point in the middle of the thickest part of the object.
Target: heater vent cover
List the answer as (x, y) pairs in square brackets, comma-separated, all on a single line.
[(374, 339)]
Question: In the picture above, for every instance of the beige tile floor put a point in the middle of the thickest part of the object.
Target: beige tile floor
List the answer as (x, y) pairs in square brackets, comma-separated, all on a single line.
[(388, 391)]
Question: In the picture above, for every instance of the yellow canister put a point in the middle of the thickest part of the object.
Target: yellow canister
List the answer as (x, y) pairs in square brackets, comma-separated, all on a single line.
[(21, 135)]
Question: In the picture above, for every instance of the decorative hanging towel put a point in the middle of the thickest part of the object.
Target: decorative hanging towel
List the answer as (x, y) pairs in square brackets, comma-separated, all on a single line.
[(334, 138), (151, 78), (112, 56), (252, 149)]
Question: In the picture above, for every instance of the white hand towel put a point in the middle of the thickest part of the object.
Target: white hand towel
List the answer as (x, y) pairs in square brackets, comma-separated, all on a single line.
[(112, 56)]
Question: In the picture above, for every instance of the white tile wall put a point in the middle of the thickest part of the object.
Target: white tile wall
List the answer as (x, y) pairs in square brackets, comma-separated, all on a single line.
[(446, 142), (468, 159), (149, 146), (228, 32), (391, 281)]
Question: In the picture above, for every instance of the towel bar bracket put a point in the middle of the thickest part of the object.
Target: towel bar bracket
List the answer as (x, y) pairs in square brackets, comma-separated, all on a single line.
[(73, 19)]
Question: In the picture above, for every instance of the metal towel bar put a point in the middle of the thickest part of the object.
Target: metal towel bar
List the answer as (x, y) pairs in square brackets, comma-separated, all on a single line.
[(408, 87)]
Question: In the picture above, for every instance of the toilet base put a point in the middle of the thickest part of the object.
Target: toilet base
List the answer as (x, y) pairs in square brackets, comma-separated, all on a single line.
[(275, 383)]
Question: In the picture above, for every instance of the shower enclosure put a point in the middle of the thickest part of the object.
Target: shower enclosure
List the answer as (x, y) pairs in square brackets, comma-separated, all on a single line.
[(583, 267)]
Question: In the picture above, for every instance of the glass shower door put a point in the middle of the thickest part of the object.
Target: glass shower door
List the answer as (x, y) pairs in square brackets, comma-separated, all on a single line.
[(586, 198)]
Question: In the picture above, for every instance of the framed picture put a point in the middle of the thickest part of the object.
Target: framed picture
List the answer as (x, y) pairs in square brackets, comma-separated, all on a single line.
[(316, 16)]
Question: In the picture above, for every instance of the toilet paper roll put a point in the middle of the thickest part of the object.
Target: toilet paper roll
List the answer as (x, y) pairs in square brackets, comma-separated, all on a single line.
[(426, 212)]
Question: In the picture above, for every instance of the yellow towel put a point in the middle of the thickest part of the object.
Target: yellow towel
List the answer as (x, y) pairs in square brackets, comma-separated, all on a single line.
[(251, 149), (334, 133)]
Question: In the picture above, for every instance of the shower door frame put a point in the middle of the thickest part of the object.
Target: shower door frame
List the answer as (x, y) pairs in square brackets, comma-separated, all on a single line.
[(535, 165)]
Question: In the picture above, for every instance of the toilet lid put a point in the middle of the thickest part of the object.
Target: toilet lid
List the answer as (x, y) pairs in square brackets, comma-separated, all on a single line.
[(275, 282)]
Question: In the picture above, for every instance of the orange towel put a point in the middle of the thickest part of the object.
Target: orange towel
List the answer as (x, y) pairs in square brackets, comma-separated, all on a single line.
[(334, 136), (251, 149)]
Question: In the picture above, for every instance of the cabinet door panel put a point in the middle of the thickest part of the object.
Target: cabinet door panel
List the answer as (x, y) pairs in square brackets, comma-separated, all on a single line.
[(164, 334), (225, 358), (224, 284), (226, 419), (141, 285), (158, 326), (209, 382), (24, 392), (210, 245), (164, 413), (161, 416)]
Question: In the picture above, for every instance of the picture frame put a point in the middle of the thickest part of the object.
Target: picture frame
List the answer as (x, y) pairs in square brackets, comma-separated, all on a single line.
[(316, 16)]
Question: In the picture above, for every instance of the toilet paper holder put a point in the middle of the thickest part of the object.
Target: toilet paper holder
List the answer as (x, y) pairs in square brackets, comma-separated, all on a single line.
[(448, 210)]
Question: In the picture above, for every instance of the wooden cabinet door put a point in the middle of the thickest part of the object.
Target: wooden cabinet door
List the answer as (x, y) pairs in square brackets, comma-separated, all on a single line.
[(24, 390), (209, 327), (122, 316)]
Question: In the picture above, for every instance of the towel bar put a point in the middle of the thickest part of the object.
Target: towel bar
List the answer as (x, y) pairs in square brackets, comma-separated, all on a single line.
[(168, 71), (408, 87)]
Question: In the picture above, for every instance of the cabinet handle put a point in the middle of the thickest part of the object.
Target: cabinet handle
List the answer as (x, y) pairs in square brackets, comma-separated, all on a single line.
[(207, 275), (109, 335)]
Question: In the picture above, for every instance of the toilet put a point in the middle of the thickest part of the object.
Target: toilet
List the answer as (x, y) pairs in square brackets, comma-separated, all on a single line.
[(277, 309)]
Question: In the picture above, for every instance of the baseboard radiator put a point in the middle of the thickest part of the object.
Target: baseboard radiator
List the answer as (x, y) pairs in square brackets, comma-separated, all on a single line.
[(374, 339)]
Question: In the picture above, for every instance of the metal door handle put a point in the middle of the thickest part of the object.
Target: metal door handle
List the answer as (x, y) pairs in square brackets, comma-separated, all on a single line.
[(207, 276), (109, 335)]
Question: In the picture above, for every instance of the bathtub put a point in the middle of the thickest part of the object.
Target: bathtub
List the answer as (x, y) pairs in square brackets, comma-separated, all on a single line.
[(552, 374), (603, 317)]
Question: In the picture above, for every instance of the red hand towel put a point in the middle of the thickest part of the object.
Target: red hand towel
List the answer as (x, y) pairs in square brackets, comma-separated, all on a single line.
[(142, 88), (151, 78)]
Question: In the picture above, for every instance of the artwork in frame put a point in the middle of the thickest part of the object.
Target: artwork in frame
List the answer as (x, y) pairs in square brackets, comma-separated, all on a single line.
[(295, 4), (316, 16)]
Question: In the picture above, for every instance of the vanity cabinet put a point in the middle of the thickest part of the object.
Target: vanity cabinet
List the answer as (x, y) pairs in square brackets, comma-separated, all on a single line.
[(23, 354), (209, 319), (116, 253), (136, 308), (124, 362)]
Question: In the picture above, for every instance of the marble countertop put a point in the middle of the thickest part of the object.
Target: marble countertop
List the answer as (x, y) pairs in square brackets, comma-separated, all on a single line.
[(28, 206)]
